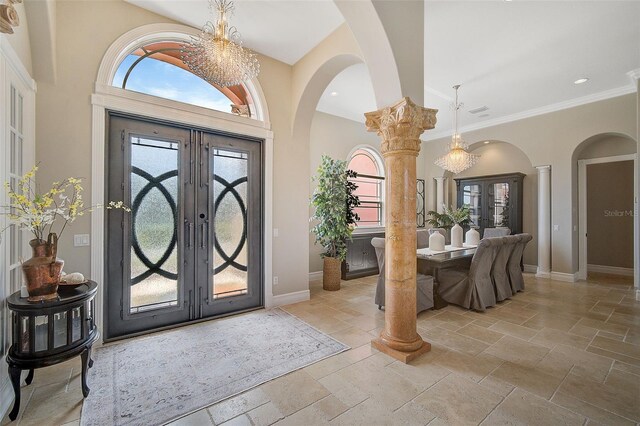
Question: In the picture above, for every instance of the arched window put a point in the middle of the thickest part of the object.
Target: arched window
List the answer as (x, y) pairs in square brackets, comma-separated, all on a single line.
[(368, 164), (157, 69)]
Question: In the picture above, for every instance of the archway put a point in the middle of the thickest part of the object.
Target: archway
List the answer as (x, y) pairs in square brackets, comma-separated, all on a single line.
[(501, 157), (603, 155)]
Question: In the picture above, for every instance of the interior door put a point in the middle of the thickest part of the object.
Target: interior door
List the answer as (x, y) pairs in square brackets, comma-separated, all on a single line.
[(191, 247)]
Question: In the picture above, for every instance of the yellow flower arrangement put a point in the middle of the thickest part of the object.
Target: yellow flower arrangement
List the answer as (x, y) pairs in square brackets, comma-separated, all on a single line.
[(39, 212)]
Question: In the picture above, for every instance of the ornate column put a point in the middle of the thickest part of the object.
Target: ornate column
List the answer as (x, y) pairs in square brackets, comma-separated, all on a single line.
[(400, 127), (544, 222), (439, 193)]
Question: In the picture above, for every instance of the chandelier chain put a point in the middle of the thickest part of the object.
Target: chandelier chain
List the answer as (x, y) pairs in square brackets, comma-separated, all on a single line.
[(458, 158)]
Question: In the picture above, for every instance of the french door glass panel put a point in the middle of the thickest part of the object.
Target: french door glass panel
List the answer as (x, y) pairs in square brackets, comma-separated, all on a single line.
[(472, 196), (230, 223), (154, 223), (498, 205)]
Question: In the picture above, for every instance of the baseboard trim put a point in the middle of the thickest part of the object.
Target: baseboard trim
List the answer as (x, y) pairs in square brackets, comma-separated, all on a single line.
[(289, 298), (542, 274), (613, 270), (530, 269), (6, 397), (563, 276), (315, 276)]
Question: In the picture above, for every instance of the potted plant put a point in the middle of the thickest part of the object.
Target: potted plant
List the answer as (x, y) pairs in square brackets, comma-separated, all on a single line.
[(334, 203), (450, 216), (40, 212), (459, 217)]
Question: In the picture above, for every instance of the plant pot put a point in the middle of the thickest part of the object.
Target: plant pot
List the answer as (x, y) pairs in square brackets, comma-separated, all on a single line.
[(42, 271), (331, 274)]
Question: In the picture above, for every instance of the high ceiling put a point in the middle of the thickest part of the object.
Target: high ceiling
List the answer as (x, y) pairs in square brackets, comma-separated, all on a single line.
[(517, 58), (282, 29)]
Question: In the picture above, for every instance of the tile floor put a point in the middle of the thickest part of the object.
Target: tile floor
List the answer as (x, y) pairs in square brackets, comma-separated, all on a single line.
[(559, 353)]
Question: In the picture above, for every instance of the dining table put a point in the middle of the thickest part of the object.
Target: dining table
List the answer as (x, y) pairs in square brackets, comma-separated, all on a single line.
[(441, 259)]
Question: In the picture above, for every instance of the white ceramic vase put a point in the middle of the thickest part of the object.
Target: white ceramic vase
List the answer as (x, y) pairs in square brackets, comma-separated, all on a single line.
[(456, 236), (472, 237), (436, 241)]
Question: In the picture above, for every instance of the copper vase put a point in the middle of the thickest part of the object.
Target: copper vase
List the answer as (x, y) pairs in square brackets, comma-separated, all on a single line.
[(42, 271)]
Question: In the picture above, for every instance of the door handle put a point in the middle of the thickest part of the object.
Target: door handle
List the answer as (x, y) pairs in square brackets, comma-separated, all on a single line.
[(189, 227), (200, 302), (190, 304), (203, 229)]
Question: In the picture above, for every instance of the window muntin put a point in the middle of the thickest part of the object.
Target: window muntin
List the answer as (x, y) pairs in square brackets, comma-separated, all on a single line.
[(157, 69), (370, 189)]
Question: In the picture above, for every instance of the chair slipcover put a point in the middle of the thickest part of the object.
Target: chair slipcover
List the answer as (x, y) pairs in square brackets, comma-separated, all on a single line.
[(513, 266), (424, 283), (472, 288), (499, 274), (422, 238), (496, 232)]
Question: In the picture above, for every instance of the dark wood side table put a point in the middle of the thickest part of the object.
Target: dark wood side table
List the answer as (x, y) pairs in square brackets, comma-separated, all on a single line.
[(49, 332)]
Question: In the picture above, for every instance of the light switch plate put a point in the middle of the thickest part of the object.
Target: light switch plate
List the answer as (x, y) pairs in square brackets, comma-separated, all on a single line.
[(81, 240)]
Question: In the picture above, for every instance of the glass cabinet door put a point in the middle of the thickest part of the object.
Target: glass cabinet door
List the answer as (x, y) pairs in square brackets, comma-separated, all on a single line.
[(498, 205), (472, 197)]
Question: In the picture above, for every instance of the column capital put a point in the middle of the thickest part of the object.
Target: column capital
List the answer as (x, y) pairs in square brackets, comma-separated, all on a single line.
[(401, 125), (440, 178), (542, 168)]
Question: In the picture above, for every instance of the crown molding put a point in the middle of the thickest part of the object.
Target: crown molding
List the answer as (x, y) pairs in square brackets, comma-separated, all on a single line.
[(600, 96), (634, 75)]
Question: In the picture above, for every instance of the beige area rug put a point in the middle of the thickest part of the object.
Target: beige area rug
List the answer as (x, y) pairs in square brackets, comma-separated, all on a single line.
[(159, 378)]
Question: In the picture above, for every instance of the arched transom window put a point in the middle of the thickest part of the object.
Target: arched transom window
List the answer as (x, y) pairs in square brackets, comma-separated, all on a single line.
[(368, 164), (157, 69)]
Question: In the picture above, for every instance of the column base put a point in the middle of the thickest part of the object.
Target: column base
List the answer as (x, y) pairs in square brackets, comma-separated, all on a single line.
[(405, 357)]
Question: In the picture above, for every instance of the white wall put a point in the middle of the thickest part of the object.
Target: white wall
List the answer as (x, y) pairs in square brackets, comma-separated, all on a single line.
[(19, 40), (550, 139)]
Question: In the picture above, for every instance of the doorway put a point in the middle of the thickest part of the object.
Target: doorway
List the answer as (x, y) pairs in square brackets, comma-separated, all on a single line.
[(606, 206), (191, 247)]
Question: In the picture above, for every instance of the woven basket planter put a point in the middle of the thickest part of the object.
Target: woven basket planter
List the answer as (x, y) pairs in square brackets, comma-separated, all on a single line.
[(331, 274)]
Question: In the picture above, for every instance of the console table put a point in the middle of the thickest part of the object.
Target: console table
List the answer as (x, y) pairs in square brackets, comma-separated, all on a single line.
[(49, 332)]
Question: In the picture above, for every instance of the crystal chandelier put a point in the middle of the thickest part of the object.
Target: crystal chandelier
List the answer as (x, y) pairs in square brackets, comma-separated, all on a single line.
[(217, 55), (458, 158)]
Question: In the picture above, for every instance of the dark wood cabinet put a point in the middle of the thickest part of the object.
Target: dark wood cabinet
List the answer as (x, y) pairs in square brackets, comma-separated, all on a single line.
[(361, 257), (49, 332), (494, 200)]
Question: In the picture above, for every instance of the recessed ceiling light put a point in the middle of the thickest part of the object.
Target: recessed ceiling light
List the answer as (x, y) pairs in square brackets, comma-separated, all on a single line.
[(486, 142), (581, 80), (334, 93)]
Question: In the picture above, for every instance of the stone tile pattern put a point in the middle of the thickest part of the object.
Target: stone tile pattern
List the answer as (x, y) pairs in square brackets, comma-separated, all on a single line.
[(557, 353)]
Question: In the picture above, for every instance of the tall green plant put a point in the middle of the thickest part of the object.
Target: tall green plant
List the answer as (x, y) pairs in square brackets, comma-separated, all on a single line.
[(446, 220), (334, 201)]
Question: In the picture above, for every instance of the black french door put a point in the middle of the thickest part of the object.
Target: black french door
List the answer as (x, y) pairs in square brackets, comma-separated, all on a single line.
[(191, 247)]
